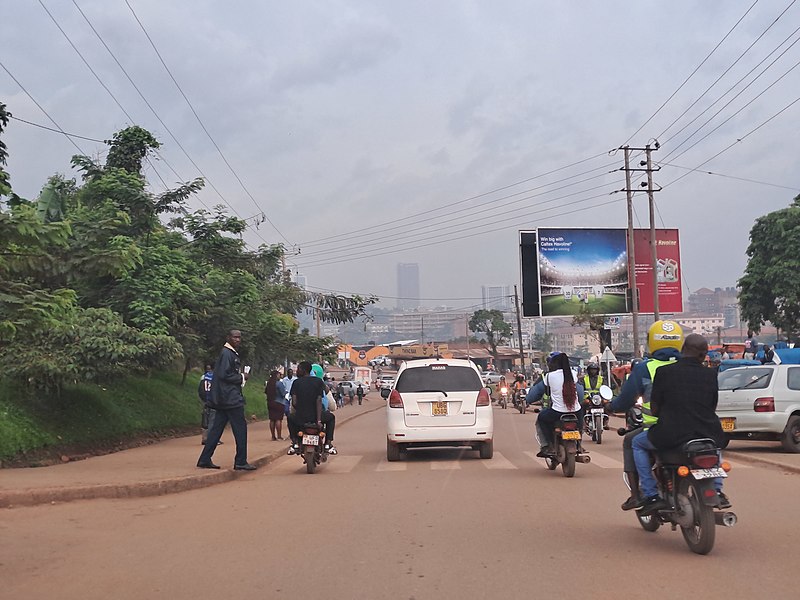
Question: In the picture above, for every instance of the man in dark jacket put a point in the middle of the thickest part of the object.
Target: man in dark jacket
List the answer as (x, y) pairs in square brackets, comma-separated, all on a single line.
[(684, 398), (228, 402)]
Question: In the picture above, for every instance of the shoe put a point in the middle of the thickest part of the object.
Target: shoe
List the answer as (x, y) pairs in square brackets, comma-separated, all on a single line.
[(219, 443), (724, 502), (293, 449), (544, 452), (208, 465), (632, 503), (331, 449), (652, 505), (244, 467)]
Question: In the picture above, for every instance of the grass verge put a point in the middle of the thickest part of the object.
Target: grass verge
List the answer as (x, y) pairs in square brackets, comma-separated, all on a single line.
[(96, 419)]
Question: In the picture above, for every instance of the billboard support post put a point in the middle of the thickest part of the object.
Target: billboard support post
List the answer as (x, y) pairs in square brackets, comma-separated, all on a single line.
[(631, 259)]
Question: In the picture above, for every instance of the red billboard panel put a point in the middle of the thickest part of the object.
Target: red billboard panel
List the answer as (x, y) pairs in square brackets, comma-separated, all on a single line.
[(668, 266)]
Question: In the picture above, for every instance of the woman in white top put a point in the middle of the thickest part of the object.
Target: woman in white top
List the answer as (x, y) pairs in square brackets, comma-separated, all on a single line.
[(563, 399)]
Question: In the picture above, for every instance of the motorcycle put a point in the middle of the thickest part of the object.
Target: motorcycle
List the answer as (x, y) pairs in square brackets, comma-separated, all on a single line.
[(568, 449), (312, 448), (519, 400), (633, 418), (595, 420), (503, 401), (685, 480)]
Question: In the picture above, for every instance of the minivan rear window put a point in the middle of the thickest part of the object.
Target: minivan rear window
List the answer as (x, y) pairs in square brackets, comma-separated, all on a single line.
[(439, 377), (749, 378)]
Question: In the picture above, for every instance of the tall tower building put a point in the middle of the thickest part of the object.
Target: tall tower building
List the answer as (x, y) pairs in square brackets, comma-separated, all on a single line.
[(496, 297), (407, 285)]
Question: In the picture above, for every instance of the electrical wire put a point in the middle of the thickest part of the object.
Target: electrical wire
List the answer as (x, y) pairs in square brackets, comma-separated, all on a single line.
[(685, 81), (72, 135), (199, 120), (745, 179), (321, 289)]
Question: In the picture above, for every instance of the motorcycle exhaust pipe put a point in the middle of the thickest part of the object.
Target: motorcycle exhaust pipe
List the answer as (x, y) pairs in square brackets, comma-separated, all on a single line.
[(584, 459), (727, 519)]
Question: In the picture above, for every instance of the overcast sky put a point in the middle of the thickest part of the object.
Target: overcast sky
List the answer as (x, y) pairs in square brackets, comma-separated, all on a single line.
[(397, 125)]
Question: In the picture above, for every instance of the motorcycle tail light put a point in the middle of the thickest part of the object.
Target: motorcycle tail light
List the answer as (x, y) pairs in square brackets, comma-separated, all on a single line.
[(322, 434), (683, 471), (705, 461), (570, 426), (764, 405), (726, 466), (710, 493), (395, 400), (483, 398)]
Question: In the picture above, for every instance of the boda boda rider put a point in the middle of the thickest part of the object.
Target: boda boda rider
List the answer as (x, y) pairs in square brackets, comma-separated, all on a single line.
[(664, 340), (564, 394), (683, 399), (308, 392)]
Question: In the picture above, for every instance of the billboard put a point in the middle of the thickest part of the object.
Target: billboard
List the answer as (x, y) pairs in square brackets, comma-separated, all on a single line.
[(568, 270)]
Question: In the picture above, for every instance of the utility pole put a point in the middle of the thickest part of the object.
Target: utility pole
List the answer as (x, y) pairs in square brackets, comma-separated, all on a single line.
[(653, 248), (631, 257), (519, 331), (466, 327), (422, 329), (648, 168)]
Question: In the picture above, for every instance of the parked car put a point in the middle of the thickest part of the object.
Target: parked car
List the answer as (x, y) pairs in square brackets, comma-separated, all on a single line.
[(380, 361), (491, 377), (439, 402), (761, 402), (387, 381)]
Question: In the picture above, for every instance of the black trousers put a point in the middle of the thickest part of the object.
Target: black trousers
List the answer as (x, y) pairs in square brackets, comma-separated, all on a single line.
[(239, 427), (328, 422)]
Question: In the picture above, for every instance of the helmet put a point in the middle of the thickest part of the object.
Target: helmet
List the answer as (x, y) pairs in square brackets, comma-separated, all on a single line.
[(317, 370), (592, 365), (553, 354), (664, 334)]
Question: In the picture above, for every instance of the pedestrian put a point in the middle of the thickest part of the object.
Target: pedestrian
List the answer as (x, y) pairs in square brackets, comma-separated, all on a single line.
[(360, 393), (351, 393), (204, 392), (769, 355), (275, 407), (287, 389), (340, 394), (228, 401)]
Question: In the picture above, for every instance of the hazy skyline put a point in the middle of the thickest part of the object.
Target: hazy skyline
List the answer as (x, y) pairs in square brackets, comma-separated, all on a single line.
[(377, 133)]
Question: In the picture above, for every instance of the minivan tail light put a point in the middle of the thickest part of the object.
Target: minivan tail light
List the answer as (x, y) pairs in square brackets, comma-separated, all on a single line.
[(395, 400), (484, 399), (764, 405)]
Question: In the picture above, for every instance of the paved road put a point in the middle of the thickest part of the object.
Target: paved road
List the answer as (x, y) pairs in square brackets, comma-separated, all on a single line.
[(441, 525)]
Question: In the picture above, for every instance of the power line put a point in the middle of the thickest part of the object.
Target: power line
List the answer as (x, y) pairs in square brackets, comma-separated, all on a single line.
[(726, 71), (72, 135), (685, 81), (41, 108), (481, 195), (199, 120), (393, 297), (756, 181)]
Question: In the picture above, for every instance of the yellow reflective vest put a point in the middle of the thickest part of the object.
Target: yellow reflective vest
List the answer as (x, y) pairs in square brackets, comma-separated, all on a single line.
[(648, 420)]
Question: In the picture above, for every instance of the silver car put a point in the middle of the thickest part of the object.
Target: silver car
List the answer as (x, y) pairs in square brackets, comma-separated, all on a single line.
[(761, 402)]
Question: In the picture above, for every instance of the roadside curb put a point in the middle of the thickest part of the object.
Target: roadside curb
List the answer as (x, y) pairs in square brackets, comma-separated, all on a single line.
[(140, 489), (761, 461)]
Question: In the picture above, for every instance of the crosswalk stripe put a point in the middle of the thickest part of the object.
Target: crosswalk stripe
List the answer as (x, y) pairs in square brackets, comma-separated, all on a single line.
[(449, 465), (341, 464), (604, 462), (498, 461), (385, 465)]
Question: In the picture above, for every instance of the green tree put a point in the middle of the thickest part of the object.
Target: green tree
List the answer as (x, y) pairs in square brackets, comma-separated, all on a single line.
[(770, 286), (491, 323), (544, 343)]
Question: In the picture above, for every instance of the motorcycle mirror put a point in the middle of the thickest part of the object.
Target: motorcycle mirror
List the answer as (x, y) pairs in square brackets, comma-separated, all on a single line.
[(605, 392)]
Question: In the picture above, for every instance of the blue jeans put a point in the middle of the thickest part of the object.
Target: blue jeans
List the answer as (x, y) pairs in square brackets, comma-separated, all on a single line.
[(641, 456)]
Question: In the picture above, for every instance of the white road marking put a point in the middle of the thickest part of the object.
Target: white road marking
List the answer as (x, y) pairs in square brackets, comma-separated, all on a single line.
[(449, 465), (498, 461), (604, 462), (385, 465), (532, 455), (341, 463)]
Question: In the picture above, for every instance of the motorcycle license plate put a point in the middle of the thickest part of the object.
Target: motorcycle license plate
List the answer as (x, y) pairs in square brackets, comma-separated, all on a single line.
[(728, 423), (311, 440), (570, 435), (708, 473), (597, 411), (439, 409)]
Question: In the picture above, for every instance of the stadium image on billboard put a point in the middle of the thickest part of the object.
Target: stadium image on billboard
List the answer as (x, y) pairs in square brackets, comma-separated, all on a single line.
[(582, 269)]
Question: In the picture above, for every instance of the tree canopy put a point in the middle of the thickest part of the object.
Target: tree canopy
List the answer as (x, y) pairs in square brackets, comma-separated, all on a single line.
[(492, 324), (770, 286), (105, 276)]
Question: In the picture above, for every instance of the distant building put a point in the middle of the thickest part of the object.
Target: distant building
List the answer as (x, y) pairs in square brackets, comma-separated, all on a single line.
[(496, 297), (708, 302), (407, 286)]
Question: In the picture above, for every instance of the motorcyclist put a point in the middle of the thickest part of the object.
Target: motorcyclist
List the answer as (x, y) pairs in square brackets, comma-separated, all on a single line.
[(519, 388), (309, 402), (591, 386), (664, 340), (564, 394)]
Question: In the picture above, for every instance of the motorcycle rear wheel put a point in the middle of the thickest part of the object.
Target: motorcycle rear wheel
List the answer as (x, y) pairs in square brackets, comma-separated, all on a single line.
[(700, 536), (311, 464)]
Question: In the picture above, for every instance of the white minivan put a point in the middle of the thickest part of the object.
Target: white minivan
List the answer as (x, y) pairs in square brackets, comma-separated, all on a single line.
[(439, 402)]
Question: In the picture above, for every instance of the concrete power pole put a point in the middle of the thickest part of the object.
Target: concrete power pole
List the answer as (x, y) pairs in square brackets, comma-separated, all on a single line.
[(519, 331), (653, 247), (631, 257)]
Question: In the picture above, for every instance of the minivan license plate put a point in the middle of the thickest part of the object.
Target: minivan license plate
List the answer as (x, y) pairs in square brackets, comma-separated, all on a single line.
[(728, 423), (439, 409)]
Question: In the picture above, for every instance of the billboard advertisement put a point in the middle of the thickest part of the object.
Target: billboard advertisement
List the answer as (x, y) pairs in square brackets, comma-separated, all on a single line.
[(566, 271), (668, 254)]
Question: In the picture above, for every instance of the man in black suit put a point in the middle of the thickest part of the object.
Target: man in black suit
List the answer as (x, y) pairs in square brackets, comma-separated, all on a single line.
[(684, 398)]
